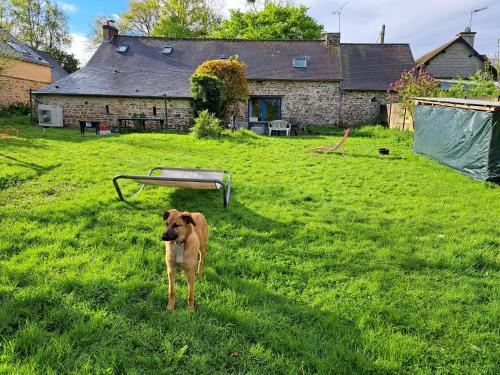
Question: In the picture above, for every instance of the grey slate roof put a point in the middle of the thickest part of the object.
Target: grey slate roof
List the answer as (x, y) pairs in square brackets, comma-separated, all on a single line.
[(58, 71), (374, 66), (143, 71), (30, 55), (424, 59)]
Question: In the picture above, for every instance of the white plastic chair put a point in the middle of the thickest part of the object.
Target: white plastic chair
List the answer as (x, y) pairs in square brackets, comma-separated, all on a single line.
[(280, 125)]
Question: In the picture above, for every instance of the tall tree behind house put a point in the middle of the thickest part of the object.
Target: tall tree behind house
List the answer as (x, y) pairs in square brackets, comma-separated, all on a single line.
[(39, 23)]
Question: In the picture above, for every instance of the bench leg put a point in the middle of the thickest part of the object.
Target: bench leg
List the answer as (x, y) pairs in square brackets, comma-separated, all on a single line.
[(117, 187)]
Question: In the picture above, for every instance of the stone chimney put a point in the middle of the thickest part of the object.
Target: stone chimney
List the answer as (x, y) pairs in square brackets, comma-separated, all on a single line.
[(468, 36), (332, 39), (109, 31)]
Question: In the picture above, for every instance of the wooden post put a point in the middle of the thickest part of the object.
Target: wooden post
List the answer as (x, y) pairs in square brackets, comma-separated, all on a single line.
[(31, 106), (382, 35), (166, 118)]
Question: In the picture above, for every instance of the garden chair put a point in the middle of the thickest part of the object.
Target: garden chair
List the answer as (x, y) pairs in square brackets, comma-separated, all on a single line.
[(336, 146), (187, 178), (279, 125)]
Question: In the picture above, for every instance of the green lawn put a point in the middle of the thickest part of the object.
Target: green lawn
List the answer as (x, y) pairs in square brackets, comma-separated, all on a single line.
[(354, 263)]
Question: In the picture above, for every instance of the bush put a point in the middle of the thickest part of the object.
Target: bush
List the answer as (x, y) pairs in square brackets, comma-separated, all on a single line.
[(15, 109), (232, 73), (209, 92), (207, 125), (477, 85)]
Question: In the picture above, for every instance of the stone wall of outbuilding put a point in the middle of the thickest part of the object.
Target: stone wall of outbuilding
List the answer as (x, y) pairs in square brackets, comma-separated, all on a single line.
[(109, 109), (361, 107)]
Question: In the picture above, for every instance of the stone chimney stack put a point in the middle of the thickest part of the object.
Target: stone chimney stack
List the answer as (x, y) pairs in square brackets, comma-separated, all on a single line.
[(332, 39), (109, 31), (468, 36)]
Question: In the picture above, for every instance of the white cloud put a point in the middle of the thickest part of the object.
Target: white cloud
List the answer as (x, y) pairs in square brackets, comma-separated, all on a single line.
[(67, 7), (80, 47), (425, 24)]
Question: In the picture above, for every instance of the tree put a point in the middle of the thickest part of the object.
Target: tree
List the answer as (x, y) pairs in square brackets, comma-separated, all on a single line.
[(6, 59), (232, 73), (5, 18), (209, 93), (186, 19), (272, 22), (39, 23), (66, 59), (412, 84), (257, 5), (95, 35), (166, 18), (141, 17)]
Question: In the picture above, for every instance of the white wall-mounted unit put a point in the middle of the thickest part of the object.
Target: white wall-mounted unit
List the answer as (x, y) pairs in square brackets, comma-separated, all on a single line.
[(50, 115)]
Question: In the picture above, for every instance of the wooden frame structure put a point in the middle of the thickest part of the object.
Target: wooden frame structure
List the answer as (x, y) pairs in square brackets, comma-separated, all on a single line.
[(478, 105)]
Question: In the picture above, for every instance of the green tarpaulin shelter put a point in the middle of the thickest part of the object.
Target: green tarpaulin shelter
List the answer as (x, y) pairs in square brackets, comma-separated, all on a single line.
[(461, 134)]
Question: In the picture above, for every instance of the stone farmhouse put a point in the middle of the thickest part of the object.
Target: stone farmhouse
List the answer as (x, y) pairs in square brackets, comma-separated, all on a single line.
[(457, 58), (27, 69), (322, 82)]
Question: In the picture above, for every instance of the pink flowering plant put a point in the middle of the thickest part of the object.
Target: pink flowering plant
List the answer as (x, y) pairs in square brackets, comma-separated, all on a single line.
[(412, 84)]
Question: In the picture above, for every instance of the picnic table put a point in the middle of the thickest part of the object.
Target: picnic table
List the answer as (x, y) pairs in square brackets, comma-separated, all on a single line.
[(139, 123)]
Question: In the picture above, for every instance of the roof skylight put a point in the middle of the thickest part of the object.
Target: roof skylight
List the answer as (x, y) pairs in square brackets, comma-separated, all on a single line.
[(167, 50), (300, 62), (122, 48), (18, 47)]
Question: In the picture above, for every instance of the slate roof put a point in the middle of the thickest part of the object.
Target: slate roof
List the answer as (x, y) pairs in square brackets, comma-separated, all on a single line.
[(374, 66), (29, 55), (58, 71), (143, 71), (431, 54), (422, 60)]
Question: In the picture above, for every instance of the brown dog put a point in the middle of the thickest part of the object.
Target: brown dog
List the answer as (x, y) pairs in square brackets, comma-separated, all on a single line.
[(186, 235)]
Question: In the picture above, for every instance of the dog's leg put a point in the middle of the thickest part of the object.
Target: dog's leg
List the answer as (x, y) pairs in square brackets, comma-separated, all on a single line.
[(190, 279), (171, 288), (201, 263)]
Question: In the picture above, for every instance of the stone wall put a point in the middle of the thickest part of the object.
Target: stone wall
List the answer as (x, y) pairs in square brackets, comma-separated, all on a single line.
[(16, 90), (302, 102), (309, 102), (361, 107), (109, 109)]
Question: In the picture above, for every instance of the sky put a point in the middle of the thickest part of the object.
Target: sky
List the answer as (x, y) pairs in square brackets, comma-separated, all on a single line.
[(425, 24)]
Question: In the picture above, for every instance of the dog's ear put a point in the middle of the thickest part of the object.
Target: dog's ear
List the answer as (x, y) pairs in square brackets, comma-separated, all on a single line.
[(188, 219), (167, 213)]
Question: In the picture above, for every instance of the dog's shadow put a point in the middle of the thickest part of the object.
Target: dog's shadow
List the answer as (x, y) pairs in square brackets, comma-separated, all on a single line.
[(244, 265)]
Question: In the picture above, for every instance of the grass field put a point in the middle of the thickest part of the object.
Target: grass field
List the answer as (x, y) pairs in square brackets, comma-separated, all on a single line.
[(330, 264)]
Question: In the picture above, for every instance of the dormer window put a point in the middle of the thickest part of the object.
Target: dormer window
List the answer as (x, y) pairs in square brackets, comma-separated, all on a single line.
[(300, 62), (167, 50), (122, 48)]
